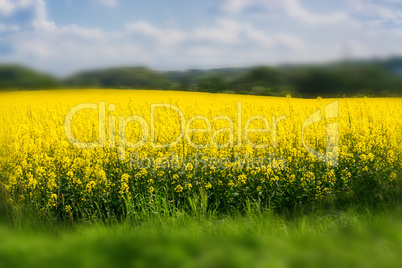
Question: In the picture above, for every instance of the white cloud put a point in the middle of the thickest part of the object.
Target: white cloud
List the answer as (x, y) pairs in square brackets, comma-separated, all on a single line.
[(37, 8), (71, 47), (228, 41), (164, 36), (236, 6), (291, 8), (385, 11), (230, 32), (223, 32), (7, 7), (295, 10), (8, 27), (68, 48), (40, 21), (226, 31), (109, 3)]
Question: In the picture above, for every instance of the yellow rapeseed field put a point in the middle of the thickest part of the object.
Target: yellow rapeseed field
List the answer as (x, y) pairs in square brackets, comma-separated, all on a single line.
[(100, 153)]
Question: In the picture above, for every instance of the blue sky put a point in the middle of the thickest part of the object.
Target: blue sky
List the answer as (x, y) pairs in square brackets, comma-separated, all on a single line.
[(65, 36)]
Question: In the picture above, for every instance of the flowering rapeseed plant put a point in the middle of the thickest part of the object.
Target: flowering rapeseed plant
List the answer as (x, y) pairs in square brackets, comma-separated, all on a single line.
[(41, 170)]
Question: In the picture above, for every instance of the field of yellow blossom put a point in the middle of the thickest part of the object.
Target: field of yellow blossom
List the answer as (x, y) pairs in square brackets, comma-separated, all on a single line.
[(109, 153)]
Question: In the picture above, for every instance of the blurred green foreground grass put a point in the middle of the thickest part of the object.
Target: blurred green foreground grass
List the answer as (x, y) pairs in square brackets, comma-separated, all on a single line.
[(327, 239)]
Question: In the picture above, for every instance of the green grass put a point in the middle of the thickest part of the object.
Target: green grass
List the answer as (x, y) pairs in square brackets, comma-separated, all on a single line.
[(257, 238), (164, 235)]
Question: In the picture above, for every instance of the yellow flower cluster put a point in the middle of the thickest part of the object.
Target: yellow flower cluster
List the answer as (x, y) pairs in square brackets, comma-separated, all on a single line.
[(232, 147)]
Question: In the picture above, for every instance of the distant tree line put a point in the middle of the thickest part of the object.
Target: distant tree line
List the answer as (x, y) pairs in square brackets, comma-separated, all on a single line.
[(378, 78), (16, 77)]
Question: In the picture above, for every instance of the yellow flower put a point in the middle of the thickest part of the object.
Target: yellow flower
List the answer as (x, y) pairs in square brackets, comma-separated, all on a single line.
[(393, 176), (38, 164), (366, 168), (179, 189), (90, 186), (68, 208), (124, 187), (53, 200), (242, 179)]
